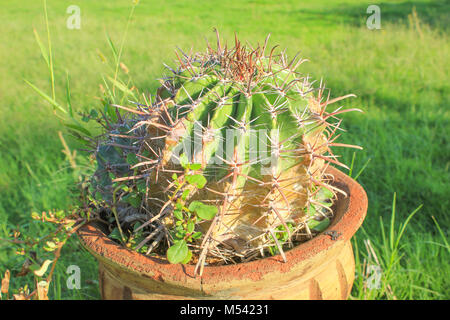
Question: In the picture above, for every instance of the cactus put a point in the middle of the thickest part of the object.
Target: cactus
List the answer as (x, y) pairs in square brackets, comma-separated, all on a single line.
[(261, 137)]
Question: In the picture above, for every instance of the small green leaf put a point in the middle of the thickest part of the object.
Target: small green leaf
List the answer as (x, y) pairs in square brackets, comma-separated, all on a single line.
[(311, 210), (35, 216), (133, 199), (188, 257), (197, 180), (184, 161), (174, 176), (327, 194), (178, 214), (115, 234), (273, 250), (203, 211), (190, 226), (197, 235), (195, 166), (180, 235), (319, 226), (60, 214), (143, 249), (68, 225), (194, 205), (178, 252), (50, 246), (185, 194), (326, 203)]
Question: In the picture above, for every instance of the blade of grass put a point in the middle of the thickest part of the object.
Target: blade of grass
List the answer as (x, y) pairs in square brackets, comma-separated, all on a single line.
[(46, 97), (403, 226), (69, 104), (425, 289), (41, 46), (78, 127), (441, 233), (119, 55), (362, 169), (392, 229), (383, 235), (122, 87), (350, 172), (113, 48), (50, 54)]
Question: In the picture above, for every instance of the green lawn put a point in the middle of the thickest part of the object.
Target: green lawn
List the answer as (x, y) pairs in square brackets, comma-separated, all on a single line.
[(400, 75)]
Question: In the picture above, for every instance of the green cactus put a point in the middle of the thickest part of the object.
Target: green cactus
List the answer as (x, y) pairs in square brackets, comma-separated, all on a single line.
[(259, 131)]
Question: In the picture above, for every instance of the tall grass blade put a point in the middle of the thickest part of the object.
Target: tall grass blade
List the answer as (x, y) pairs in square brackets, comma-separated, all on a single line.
[(69, 104), (79, 128), (119, 55), (50, 54), (46, 97), (122, 87), (403, 226), (362, 169), (392, 229), (350, 172), (383, 235), (113, 48), (441, 233), (41, 46)]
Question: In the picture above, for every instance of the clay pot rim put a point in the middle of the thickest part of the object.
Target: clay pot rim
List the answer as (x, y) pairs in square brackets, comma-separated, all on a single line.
[(344, 227)]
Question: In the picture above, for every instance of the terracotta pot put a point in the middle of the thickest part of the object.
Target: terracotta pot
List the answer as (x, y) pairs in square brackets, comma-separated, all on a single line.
[(321, 268)]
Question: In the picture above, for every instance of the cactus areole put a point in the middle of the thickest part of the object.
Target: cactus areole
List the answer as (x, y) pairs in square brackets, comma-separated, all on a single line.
[(254, 127)]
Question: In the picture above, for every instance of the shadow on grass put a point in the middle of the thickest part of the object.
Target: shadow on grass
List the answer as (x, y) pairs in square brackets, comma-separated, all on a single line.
[(435, 14)]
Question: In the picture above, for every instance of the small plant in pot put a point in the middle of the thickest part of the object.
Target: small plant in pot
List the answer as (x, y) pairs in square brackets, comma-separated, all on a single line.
[(219, 185), (227, 166)]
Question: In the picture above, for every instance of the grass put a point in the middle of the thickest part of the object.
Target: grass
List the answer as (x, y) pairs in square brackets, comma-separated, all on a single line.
[(399, 73)]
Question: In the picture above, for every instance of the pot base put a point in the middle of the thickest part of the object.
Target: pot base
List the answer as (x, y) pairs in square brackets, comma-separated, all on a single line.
[(318, 281)]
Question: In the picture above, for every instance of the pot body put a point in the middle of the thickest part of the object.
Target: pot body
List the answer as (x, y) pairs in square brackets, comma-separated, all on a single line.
[(321, 268)]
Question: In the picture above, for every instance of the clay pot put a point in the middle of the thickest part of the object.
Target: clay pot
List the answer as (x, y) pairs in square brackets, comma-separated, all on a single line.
[(321, 268)]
